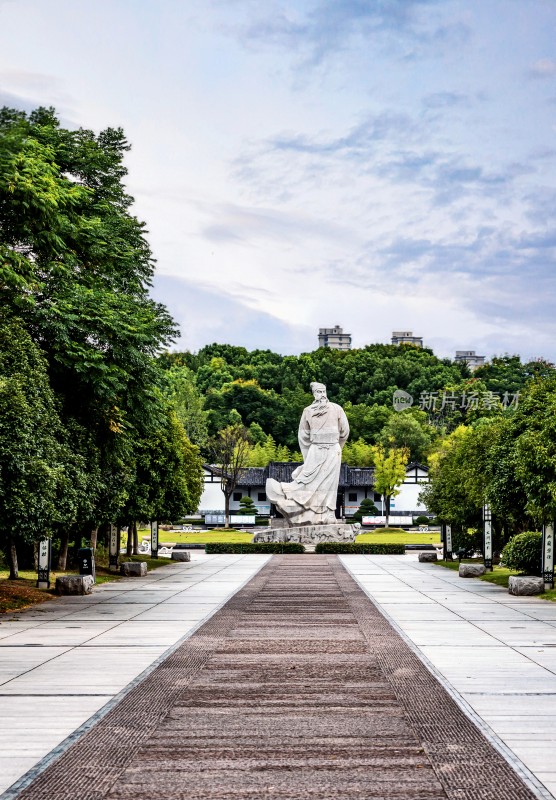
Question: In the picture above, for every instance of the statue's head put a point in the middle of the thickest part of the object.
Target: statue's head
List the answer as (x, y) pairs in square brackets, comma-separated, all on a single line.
[(319, 391)]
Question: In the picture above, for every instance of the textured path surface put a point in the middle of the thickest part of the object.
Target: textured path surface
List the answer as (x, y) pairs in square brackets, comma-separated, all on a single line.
[(297, 688)]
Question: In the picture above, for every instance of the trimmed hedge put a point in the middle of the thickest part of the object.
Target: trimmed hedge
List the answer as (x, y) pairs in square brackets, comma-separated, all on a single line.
[(254, 547), (370, 549)]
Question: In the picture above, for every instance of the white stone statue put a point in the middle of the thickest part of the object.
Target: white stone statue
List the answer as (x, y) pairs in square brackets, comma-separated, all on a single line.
[(310, 499)]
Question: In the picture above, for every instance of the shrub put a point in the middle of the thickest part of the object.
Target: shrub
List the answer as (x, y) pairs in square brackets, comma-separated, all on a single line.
[(254, 547), (247, 506), (373, 549), (366, 509), (422, 520), (524, 553)]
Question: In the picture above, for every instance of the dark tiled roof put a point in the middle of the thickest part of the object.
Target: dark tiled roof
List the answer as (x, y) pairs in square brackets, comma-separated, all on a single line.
[(253, 476)]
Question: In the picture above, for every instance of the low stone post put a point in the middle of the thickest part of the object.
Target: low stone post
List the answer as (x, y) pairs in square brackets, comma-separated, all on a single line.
[(548, 555)]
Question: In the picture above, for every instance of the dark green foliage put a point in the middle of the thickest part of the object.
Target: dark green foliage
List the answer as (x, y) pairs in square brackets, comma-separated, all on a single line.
[(247, 506), (362, 549), (422, 520), (524, 553), (254, 547), (366, 509)]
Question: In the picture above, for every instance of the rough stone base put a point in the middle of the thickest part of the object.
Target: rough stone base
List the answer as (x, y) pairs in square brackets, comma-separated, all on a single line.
[(471, 570), (310, 534), (181, 555), (525, 585), (134, 569), (426, 557), (75, 584)]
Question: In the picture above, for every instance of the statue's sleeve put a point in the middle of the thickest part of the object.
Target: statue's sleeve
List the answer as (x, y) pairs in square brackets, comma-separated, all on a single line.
[(304, 435), (344, 427)]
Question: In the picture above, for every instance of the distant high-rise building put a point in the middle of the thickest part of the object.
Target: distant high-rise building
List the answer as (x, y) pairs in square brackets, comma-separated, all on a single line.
[(406, 337), (334, 338), (470, 357)]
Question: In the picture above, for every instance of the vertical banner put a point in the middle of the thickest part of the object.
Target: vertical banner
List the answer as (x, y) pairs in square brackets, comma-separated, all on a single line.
[(448, 541), (548, 555), (487, 537), (114, 548), (154, 539), (43, 570)]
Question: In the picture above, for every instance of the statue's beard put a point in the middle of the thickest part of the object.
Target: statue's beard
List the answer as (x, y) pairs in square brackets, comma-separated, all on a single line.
[(318, 407)]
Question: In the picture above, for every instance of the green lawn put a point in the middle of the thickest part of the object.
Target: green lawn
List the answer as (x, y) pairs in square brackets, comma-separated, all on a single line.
[(398, 536), (202, 537)]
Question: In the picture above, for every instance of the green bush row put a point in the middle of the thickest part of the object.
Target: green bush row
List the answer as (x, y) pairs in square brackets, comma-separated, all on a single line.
[(524, 553), (365, 549), (254, 547)]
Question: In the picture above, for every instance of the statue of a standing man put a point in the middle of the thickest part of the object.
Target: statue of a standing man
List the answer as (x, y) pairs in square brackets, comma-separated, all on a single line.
[(310, 499)]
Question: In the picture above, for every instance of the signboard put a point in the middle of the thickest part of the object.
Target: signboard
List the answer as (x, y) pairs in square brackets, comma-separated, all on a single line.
[(238, 519), (154, 539), (43, 569), (548, 555), (487, 537), (448, 540), (114, 550), (392, 520)]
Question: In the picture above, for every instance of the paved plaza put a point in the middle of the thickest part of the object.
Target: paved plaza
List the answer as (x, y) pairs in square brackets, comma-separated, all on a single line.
[(249, 676)]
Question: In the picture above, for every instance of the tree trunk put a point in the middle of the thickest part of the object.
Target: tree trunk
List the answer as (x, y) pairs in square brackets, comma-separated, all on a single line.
[(12, 559), (93, 538), (63, 554), (387, 509), (135, 540), (129, 548), (226, 510)]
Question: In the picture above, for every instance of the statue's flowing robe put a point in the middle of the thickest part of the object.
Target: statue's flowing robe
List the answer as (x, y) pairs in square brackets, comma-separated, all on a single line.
[(311, 496)]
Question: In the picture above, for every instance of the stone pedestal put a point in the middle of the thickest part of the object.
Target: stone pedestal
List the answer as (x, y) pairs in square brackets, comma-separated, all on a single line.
[(181, 555), (310, 534), (425, 558), (471, 570), (134, 569), (74, 584), (525, 585)]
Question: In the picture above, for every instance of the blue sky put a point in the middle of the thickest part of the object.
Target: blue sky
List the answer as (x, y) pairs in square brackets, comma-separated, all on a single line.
[(380, 164)]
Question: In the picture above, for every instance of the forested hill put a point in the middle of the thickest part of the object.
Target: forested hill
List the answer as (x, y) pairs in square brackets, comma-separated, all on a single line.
[(222, 383)]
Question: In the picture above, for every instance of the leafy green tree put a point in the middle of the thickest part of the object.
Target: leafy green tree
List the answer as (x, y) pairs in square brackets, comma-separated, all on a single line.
[(405, 430), (230, 450), (76, 267), (188, 403), (34, 455), (358, 453), (389, 472)]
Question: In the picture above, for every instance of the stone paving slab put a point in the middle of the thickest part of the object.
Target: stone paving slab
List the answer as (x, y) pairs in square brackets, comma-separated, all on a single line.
[(297, 688), (62, 662), (494, 651)]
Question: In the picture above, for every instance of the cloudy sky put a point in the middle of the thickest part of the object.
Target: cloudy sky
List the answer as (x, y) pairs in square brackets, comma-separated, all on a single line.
[(379, 164)]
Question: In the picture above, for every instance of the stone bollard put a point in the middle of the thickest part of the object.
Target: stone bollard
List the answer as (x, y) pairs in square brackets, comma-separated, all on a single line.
[(525, 585), (75, 584), (181, 555), (425, 558), (132, 569), (471, 570)]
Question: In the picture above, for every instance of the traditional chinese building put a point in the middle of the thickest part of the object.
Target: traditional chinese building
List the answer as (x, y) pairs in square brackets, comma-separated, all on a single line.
[(355, 485)]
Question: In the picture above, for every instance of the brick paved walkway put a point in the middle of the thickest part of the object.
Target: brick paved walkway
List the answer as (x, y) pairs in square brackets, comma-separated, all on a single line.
[(297, 688)]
